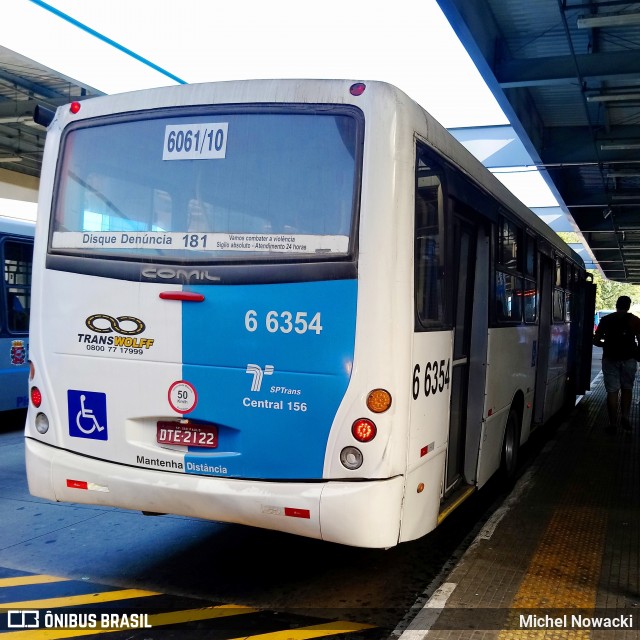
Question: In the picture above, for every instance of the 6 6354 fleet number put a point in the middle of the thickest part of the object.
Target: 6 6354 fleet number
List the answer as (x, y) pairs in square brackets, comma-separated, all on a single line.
[(434, 377)]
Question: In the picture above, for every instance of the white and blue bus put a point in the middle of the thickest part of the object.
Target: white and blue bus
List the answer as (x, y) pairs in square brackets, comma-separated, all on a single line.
[(296, 305), (16, 257)]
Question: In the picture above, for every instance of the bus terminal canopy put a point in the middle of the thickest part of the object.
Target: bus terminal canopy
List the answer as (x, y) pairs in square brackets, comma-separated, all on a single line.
[(25, 84), (567, 75)]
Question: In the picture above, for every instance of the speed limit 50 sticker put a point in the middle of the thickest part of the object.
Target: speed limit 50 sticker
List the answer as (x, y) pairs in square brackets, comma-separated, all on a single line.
[(183, 397)]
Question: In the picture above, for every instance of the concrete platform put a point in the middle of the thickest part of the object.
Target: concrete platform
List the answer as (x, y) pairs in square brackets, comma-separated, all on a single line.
[(561, 557)]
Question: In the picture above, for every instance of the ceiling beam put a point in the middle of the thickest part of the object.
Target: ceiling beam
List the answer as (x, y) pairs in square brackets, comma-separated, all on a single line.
[(560, 70), (592, 219), (32, 87), (576, 145)]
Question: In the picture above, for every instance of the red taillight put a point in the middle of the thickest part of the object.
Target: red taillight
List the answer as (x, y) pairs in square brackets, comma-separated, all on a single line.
[(364, 430), (74, 107), (36, 397), (357, 89)]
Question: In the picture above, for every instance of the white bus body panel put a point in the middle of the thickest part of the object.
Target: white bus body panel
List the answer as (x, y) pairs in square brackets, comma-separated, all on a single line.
[(72, 357), (511, 364), (338, 511), (384, 322), (428, 437)]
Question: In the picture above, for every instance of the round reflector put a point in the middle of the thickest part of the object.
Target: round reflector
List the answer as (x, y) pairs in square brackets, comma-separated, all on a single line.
[(42, 423), (351, 458), (74, 107), (357, 89), (36, 397), (364, 430), (379, 400)]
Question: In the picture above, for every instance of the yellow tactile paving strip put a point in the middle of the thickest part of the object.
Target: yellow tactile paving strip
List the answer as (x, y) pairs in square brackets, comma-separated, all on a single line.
[(569, 544), (564, 571)]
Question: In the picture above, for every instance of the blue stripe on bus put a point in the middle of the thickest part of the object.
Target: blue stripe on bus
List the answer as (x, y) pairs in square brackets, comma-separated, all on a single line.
[(271, 364)]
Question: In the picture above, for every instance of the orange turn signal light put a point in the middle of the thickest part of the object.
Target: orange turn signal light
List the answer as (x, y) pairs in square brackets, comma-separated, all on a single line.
[(378, 400)]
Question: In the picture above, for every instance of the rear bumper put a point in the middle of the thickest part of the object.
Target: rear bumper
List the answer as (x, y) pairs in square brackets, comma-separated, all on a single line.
[(363, 514)]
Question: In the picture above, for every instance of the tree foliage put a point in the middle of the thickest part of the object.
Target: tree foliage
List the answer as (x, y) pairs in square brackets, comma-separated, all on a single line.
[(608, 292)]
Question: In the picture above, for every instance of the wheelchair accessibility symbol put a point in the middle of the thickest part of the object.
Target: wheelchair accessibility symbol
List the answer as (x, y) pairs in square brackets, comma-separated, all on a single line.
[(87, 414)]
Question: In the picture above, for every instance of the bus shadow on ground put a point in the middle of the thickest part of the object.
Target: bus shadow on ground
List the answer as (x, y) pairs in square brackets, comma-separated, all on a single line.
[(13, 420)]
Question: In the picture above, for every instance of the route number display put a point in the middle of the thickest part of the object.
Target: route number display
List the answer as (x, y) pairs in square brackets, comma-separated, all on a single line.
[(201, 141)]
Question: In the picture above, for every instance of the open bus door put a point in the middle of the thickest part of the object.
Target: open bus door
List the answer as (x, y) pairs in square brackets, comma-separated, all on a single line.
[(584, 336)]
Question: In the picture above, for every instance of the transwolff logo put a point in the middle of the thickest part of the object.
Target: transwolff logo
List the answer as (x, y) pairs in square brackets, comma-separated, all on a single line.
[(258, 373), (182, 275), (105, 326)]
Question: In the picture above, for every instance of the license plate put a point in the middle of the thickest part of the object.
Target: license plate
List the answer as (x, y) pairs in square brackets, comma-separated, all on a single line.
[(192, 435)]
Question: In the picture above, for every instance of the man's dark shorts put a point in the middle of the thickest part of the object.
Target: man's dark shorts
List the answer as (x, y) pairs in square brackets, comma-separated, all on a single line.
[(618, 374)]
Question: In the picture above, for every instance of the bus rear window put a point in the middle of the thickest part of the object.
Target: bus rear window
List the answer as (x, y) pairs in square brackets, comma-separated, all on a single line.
[(214, 187)]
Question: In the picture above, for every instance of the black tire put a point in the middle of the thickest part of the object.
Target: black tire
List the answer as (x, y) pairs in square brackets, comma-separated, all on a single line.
[(510, 447)]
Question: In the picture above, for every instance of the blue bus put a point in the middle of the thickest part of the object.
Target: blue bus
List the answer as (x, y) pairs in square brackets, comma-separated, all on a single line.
[(16, 255)]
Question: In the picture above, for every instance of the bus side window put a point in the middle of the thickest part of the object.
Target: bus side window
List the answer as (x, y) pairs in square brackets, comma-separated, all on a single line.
[(18, 257), (559, 294), (509, 290), (429, 258), (509, 294)]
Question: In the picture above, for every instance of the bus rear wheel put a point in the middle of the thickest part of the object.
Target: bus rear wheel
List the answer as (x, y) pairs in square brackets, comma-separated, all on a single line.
[(511, 447)]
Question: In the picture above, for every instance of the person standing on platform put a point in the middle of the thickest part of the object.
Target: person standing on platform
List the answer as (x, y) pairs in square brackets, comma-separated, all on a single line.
[(618, 334)]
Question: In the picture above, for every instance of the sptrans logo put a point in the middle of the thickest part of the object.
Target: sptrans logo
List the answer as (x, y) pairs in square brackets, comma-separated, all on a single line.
[(258, 374), (103, 326)]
